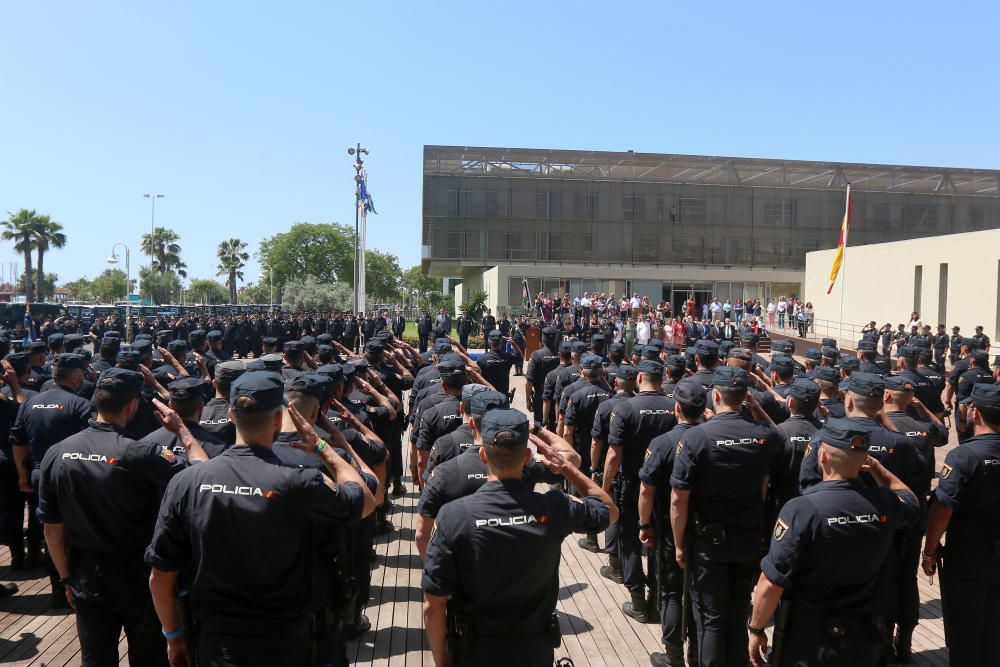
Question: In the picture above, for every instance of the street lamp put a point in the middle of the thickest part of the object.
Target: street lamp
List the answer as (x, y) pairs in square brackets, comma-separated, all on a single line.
[(113, 259), (152, 221)]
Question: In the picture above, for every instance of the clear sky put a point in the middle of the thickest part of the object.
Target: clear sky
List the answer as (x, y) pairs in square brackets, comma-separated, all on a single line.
[(241, 112)]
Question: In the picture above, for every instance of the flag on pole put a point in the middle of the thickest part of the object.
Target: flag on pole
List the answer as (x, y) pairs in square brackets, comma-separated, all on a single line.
[(365, 201), (838, 259), (525, 294), (29, 333)]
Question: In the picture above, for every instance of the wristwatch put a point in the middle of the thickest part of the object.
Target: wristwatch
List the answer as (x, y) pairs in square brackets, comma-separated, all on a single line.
[(755, 631), (645, 526)]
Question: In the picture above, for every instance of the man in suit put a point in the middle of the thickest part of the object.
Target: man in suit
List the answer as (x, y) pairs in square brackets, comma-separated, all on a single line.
[(398, 324), (424, 327), (728, 331)]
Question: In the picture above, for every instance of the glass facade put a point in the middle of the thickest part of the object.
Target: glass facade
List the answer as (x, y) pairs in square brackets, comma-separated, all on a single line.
[(560, 211)]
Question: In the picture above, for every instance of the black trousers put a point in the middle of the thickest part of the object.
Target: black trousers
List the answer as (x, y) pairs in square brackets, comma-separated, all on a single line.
[(809, 642), (907, 597), (505, 651), (12, 504), (219, 650), (423, 342), (629, 547), (720, 598), (99, 627), (970, 599)]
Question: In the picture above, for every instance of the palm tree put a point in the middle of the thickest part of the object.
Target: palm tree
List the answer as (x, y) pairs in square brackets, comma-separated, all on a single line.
[(48, 234), (162, 246), (21, 228), (231, 260)]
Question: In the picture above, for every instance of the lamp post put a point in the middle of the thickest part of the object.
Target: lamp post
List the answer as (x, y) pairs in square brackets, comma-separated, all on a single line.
[(113, 259), (359, 164), (152, 221)]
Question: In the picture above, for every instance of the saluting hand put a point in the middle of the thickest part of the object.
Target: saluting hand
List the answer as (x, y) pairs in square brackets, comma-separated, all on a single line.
[(167, 417), (552, 459), (308, 439)]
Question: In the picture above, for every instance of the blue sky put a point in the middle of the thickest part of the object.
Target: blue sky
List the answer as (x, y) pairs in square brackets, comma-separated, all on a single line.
[(241, 112)]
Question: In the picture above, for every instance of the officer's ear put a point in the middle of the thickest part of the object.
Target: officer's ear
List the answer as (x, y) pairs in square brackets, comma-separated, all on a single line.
[(482, 456)]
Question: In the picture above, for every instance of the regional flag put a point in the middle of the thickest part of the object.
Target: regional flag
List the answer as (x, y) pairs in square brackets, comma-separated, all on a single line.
[(525, 294), (838, 259)]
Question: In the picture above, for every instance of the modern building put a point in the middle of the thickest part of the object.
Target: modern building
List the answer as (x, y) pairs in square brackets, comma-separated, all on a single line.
[(952, 280), (667, 226)]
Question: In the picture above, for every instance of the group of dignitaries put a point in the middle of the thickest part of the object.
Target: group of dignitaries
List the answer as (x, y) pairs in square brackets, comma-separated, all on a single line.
[(747, 491), (223, 511)]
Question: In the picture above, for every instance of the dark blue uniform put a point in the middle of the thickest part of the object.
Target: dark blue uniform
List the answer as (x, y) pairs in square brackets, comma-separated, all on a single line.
[(212, 445), (251, 610), (826, 551), (969, 485), (724, 464), (514, 535), (581, 410), (540, 364), (448, 446), (495, 368), (215, 419), (632, 426), (105, 489), (600, 432)]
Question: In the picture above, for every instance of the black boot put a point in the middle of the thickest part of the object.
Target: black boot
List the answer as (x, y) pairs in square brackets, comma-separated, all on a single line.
[(902, 651), (57, 598), (34, 558), (652, 610), (6, 590), (17, 557), (613, 570), (358, 628), (672, 656), (397, 488), (589, 543), (636, 607)]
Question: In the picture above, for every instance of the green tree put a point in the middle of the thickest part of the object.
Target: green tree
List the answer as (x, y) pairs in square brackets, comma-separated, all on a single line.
[(206, 291), (110, 286), (47, 283), (162, 246), (475, 305), (424, 287), (255, 293), (80, 289), (232, 259), (20, 227), (48, 235), (158, 287), (324, 251), (382, 276), (311, 294)]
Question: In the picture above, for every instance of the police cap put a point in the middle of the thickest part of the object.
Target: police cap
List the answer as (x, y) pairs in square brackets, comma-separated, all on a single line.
[(324, 339), (866, 345), (597, 338), (637, 350), (471, 389), (729, 377), (578, 347), (142, 347), (550, 331), (361, 364), (898, 383), (803, 389), (651, 352), (626, 372), (496, 334), (484, 401), (197, 336), (165, 374), (672, 348), (565, 345), (675, 362), (333, 371), (316, 385), (843, 433), (307, 340), (187, 388), (451, 366), (831, 353), (128, 359), (442, 346), (829, 342), (37, 347), (725, 347), (504, 428), (813, 354), (68, 360), (55, 338), (273, 360), (293, 346), (349, 372), (782, 364), (269, 341), (981, 357), (907, 352), (655, 343), (690, 394), (866, 384), (177, 346), (255, 365), (264, 389), (229, 370), (591, 362), (214, 335), (826, 374), (120, 381), (650, 367), (984, 395), (850, 363), (786, 346), (374, 347), (706, 348), (322, 350), (615, 348), (19, 360)]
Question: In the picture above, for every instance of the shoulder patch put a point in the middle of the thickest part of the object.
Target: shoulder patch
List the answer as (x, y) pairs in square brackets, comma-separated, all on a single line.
[(329, 482), (809, 449), (780, 530), (945, 471), (680, 446), (649, 452), (433, 472), (167, 454)]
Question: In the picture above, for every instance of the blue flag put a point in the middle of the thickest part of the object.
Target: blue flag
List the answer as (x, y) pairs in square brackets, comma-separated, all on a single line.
[(366, 198), (29, 333)]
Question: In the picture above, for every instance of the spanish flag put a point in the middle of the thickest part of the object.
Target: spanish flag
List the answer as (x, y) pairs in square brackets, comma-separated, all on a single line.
[(838, 259)]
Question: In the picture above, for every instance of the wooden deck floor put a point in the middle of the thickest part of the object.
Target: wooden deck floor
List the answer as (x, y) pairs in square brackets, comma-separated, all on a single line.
[(595, 632)]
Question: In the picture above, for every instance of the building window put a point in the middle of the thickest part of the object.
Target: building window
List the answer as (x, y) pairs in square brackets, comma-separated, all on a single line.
[(919, 218), (779, 213), (543, 207), (661, 208), (943, 293), (585, 205), (918, 284), (694, 210), (634, 206), (492, 203)]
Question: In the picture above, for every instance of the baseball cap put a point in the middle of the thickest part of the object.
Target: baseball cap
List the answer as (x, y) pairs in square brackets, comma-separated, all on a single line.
[(866, 384), (826, 374), (626, 372), (591, 362), (186, 388), (730, 377), (504, 428), (691, 394), (264, 388), (549, 331), (650, 367), (471, 389), (293, 346), (442, 346), (177, 346), (484, 401), (495, 334), (69, 360), (333, 371), (829, 342), (578, 347), (214, 335), (984, 394), (120, 381), (229, 370), (898, 383), (843, 433), (316, 385), (451, 365), (803, 389)]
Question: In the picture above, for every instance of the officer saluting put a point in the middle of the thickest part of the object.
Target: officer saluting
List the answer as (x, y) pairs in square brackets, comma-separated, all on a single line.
[(98, 495), (966, 504), (244, 502), (491, 575), (826, 552)]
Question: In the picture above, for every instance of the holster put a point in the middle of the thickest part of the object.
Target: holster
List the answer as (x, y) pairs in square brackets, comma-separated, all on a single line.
[(714, 532)]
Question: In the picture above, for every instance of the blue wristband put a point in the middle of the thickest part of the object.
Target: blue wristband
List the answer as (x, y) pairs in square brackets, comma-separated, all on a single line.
[(171, 635)]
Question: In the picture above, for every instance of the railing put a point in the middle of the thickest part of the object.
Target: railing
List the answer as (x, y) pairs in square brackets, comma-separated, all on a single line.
[(847, 334)]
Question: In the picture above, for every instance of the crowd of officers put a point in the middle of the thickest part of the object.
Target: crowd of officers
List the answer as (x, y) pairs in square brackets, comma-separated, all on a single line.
[(805, 485), (223, 511)]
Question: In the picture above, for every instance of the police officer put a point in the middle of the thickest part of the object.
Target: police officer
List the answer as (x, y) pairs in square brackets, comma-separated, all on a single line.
[(294, 360), (187, 399), (464, 328), (654, 522), (581, 409), (568, 365), (934, 375), (505, 618), (517, 333), (827, 548), (940, 343), (450, 445), (424, 326), (489, 322), (978, 372), (542, 361), (215, 415), (965, 506), (927, 393), (98, 494), (720, 473), (632, 425), (981, 340), (803, 398), (43, 420), (954, 344), (443, 415), (245, 502), (496, 363)]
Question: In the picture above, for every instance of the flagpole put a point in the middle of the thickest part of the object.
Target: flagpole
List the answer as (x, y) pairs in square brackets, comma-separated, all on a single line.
[(358, 151), (843, 268)]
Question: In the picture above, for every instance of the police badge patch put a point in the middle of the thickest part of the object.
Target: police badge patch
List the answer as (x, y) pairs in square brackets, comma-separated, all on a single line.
[(945, 471), (809, 449), (780, 529), (680, 446), (168, 455)]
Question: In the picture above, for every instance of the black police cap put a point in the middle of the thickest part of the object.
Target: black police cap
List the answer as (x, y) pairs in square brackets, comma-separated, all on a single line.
[(637, 350), (907, 352), (142, 347), (484, 401), (471, 389), (324, 339), (550, 331), (626, 372), (786, 346), (651, 352), (442, 346), (269, 341), (374, 347), (830, 353), (307, 340), (690, 394), (813, 354), (264, 389), (120, 381), (803, 389), (985, 395), (316, 385), (650, 367), (504, 428), (706, 348), (826, 374), (843, 433), (197, 335), (325, 350), (782, 364), (177, 346), (866, 345), (333, 371), (672, 348), (591, 362), (37, 347), (128, 358), (55, 338), (361, 364), (615, 348), (655, 343), (729, 377), (496, 334), (187, 388), (675, 361), (349, 372), (293, 346), (850, 363), (68, 360), (578, 347), (254, 365), (597, 339), (866, 384), (19, 360), (451, 366), (829, 342), (214, 335), (898, 383), (565, 345), (229, 370), (272, 361)]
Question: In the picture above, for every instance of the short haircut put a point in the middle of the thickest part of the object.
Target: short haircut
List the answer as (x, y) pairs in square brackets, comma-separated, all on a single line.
[(869, 404), (786, 374), (187, 408), (732, 396), (302, 401), (804, 407), (111, 402), (294, 355), (675, 373), (251, 421), (222, 385), (844, 461), (505, 458), (60, 373), (990, 414), (454, 382), (868, 355), (691, 412)]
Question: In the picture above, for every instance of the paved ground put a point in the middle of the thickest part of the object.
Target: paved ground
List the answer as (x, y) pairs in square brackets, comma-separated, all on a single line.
[(595, 632)]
